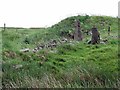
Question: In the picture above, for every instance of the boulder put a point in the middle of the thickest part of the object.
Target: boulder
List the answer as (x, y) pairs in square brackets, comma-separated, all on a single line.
[(25, 50)]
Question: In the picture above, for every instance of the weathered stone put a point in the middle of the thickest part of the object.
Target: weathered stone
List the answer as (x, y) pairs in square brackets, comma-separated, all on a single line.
[(77, 33), (109, 30), (89, 42), (95, 36), (105, 40), (17, 66), (25, 50), (102, 42), (64, 40), (4, 26), (41, 46)]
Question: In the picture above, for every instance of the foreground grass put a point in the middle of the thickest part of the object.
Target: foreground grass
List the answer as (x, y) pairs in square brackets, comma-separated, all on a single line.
[(78, 65)]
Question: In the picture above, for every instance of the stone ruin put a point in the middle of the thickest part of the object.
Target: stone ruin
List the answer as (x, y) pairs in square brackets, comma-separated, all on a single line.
[(51, 44), (109, 30), (95, 36), (77, 33)]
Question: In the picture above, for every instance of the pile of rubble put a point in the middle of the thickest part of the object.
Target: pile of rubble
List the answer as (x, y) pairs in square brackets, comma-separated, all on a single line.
[(52, 44)]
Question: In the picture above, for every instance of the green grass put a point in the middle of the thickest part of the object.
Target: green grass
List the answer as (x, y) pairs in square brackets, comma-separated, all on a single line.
[(71, 65)]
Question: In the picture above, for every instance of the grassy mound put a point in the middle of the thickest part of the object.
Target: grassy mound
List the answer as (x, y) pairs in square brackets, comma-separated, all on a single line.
[(72, 65)]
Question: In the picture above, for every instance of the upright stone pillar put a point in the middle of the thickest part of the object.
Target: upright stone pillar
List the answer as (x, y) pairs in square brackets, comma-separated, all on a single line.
[(109, 30), (95, 36), (78, 33), (4, 26)]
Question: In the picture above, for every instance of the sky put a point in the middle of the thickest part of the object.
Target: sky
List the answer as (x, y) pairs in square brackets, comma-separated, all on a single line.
[(44, 13)]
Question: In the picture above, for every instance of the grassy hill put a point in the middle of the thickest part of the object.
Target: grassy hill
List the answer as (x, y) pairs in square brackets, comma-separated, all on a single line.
[(72, 64)]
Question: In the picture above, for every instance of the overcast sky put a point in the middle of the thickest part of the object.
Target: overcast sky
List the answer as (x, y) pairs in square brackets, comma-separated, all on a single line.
[(41, 13)]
